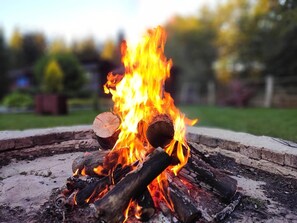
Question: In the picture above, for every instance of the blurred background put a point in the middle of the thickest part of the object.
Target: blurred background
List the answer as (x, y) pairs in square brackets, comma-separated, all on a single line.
[(235, 61)]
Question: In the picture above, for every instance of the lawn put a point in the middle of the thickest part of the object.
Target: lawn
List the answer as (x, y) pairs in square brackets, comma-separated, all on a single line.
[(280, 123)]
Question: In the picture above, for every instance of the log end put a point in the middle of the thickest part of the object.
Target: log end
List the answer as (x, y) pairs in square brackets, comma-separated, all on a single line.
[(160, 131)]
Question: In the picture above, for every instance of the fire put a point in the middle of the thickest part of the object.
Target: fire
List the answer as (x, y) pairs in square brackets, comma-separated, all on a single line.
[(139, 95)]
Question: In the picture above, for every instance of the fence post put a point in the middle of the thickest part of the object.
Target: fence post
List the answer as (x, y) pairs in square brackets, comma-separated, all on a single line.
[(211, 93), (269, 82)]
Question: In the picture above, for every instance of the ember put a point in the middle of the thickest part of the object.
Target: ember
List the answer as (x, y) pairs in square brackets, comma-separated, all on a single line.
[(145, 146)]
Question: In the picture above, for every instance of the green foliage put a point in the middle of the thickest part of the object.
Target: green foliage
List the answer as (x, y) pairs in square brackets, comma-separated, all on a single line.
[(53, 78), (74, 77), (18, 100), (4, 82), (190, 44)]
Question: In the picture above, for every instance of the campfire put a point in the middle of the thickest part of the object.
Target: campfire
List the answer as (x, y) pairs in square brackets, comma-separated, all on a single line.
[(143, 147)]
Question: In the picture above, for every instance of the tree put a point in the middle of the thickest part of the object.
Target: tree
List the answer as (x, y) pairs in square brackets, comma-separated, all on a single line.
[(33, 47), (4, 81), (108, 51), (15, 48), (58, 45), (53, 78), (74, 77), (191, 46), (283, 60), (85, 50)]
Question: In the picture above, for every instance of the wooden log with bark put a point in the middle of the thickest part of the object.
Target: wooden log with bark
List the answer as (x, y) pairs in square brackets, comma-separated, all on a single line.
[(199, 171), (112, 206), (183, 205), (88, 162), (145, 208), (106, 127), (160, 131)]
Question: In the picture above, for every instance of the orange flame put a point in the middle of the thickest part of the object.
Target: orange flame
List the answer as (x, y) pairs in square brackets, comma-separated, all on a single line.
[(139, 96)]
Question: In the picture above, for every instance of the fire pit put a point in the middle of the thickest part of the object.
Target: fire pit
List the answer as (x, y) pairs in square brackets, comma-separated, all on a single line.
[(30, 185), (146, 169), (147, 149)]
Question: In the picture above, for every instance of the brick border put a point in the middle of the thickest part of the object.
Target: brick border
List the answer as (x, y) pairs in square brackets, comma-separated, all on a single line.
[(19, 144), (279, 154)]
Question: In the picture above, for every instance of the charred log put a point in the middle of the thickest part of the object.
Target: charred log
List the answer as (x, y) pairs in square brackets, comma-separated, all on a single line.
[(199, 171), (160, 131), (106, 127), (183, 205), (91, 189), (145, 207), (88, 162), (220, 216), (111, 207)]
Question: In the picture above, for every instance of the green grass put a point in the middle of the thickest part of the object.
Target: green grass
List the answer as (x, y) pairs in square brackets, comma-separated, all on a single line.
[(31, 120), (280, 123)]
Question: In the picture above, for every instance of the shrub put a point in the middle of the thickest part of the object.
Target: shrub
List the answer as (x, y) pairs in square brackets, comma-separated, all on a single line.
[(18, 100), (74, 77), (53, 78)]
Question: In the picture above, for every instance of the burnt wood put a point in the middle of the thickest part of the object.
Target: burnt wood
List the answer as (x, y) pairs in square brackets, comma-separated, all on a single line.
[(111, 207), (89, 161), (183, 205), (106, 127), (90, 189), (199, 171), (145, 208), (160, 131)]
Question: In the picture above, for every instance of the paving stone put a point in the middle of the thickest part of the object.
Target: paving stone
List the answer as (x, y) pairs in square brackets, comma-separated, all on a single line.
[(193, 137), (291, 160), (209, 141), (24, 142), (251, 152), (272, 156), (7, 144), (229, 145)]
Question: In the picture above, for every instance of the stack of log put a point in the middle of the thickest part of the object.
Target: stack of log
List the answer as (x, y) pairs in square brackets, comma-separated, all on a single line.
[(114, 187)]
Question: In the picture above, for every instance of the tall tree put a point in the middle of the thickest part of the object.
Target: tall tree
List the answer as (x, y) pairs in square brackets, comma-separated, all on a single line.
[(191, 46), (4, 81), (85, 50), (16, 51), (34, 46)]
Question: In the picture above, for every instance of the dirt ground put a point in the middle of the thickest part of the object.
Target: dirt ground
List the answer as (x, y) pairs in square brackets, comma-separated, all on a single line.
[(26, 188)]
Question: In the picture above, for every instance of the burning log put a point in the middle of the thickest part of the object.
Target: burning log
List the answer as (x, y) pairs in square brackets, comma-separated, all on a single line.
[(112, 206), (199, 171), (106, 127), (145, 207), (183, 205), (160, 131), (88, 162)]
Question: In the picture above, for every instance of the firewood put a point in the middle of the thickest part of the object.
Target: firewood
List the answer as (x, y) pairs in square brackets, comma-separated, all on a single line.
[(199, 171), (183, 205), (111, 207), (220, 216), (160, 131), (145, 207), (88, 162), (106, 127), (90, 188)]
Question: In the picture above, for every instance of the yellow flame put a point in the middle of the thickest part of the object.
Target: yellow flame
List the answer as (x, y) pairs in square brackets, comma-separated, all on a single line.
[(139, 95)]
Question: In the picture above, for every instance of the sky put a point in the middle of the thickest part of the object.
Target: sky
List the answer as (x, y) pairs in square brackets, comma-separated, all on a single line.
[(102, 19)]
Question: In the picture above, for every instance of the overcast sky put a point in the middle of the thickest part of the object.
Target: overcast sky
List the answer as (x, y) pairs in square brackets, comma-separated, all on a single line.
[(75, 19)]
